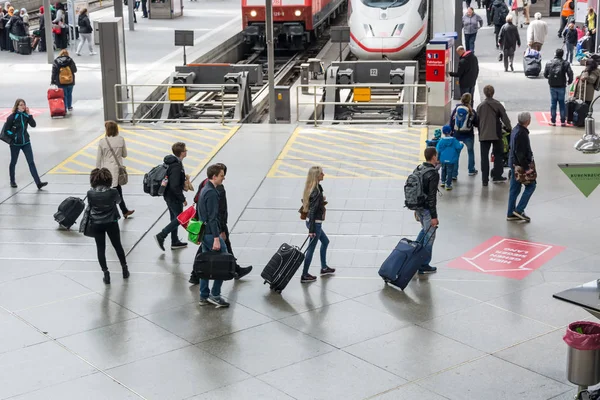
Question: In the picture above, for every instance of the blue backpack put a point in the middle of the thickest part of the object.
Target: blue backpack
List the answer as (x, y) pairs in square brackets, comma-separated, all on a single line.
[(463, 119)]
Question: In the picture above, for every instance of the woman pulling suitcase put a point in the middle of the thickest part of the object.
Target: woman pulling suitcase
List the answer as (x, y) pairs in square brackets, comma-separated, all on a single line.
[(313, 204)]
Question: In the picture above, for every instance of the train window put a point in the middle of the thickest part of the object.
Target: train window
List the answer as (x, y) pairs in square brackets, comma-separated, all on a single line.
[(384, 3), (423, 8)]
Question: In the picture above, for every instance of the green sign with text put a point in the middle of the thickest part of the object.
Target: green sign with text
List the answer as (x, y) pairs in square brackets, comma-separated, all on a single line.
[(585, 176)]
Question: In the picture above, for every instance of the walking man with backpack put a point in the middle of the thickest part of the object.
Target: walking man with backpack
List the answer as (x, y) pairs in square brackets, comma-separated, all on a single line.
[(559, 75), (499, 12), (172, 185), (420, 194)]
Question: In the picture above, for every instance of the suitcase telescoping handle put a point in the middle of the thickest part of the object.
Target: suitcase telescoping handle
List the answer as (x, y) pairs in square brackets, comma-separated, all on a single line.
[(426, 232), (305, 240)]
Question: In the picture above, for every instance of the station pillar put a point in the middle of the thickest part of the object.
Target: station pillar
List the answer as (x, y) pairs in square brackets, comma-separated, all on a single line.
[(113, 66), (438, 62)]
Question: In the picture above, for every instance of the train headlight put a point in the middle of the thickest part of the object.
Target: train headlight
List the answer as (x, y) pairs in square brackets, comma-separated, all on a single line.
[(297, 13), (253, 13)]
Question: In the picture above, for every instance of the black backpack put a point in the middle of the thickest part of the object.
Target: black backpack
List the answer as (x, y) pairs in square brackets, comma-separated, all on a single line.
[(556, 77), (154, 178)]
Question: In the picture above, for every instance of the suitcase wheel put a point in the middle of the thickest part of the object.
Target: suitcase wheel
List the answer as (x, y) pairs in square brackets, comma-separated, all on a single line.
[(278, 291)]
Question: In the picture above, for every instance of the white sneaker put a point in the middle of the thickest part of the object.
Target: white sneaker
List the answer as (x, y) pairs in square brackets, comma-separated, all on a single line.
[(78, 54), (93, 53)]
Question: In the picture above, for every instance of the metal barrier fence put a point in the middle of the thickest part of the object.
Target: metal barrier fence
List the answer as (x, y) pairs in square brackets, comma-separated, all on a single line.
[(129, 106), (407, 100)]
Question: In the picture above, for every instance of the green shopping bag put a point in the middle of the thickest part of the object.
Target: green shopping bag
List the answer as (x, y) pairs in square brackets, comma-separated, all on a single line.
[(195, 230)]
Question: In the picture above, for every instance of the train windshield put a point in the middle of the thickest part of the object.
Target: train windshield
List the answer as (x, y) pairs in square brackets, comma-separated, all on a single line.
[(384, 3)]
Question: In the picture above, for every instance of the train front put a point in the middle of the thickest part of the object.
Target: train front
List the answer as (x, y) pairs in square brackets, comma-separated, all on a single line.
[(379, 29)]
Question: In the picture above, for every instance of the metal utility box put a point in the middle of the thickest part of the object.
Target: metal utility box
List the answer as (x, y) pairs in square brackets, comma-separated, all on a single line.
[(165, 9), (283, 104), (96, 33)]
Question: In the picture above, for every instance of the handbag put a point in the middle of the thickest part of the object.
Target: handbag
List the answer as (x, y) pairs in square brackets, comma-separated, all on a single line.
[(123, 177), (186, 216), (195, 229), (56, 29), (5, 136), (303, 214), (188, 186), (85, 226), (212, 265), (526, 177)]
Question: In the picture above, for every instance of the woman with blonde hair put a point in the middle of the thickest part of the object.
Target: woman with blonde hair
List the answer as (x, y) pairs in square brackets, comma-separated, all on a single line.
[(111, 151), (463, 121), (63, 76), (313, 204)]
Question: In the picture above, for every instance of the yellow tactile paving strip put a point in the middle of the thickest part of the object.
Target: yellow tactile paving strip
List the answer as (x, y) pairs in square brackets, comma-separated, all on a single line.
[(352, 152), (148, 144)]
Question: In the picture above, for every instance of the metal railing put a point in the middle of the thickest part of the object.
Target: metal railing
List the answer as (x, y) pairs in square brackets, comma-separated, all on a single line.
[(126, 109), (407, 100)]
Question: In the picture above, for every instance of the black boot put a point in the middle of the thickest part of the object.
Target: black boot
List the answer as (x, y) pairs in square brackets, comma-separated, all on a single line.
[(194, 280), (106, 278), (125, 272)]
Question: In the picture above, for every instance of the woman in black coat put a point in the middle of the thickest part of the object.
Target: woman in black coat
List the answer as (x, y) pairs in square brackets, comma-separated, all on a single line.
[(103, 219)]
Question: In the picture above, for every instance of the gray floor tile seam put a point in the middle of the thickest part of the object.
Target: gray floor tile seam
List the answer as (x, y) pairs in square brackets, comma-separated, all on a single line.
[(276, 388), (563, 393), (242, 381), (18, 191), (523, 316), (91, 293), (401, 386), (56, 342)]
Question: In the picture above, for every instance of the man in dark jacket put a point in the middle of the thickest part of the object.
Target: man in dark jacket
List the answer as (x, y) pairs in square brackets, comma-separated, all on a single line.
[(499, 12), (208, 211), (522, 156), (468, 71), (559, 75), (492, 115), (174, 196), (508, 40), (427, 215), (223, 217)]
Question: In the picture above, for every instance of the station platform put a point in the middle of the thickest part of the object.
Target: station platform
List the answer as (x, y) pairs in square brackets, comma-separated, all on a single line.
[(470, 331)]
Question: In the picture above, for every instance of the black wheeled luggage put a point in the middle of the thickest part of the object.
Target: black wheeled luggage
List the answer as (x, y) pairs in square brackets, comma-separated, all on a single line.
[(68, 211), (283, 265), (24, 46), (580, 112), (214, 266)]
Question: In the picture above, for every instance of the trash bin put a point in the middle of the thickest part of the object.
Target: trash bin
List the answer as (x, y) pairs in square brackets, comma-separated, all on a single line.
[(583, 360)]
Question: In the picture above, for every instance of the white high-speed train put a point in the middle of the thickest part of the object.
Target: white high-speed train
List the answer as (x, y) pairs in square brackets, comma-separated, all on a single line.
[(393, 29)]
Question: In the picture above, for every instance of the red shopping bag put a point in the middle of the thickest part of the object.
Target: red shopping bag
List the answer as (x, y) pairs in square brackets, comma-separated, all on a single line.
[(187, 214)]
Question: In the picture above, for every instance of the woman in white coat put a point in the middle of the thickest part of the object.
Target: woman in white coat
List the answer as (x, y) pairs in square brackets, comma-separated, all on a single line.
[(106, 159)]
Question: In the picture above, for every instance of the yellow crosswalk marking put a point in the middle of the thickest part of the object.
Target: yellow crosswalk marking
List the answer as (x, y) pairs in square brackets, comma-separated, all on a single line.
[(177, 137)]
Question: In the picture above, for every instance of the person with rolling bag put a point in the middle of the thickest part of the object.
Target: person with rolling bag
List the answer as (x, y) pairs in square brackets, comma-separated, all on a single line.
[(410, 257), (208, 265), (532, 63)]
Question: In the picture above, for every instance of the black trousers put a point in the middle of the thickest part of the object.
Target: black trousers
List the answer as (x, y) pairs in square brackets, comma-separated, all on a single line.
[(122, 205), (114, 234), (498, 151)]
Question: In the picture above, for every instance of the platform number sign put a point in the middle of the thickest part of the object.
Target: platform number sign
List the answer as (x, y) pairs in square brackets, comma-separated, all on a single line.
[(374, 71)]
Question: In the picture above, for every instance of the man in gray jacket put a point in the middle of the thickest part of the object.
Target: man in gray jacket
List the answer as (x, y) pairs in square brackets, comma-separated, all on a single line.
[(509, 39), (471, 23), (492, 115)]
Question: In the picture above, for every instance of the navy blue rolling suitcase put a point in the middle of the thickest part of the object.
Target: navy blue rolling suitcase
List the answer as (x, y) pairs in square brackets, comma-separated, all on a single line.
[(404, 262)]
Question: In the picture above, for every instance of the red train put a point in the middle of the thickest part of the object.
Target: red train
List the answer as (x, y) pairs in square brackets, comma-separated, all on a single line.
[(295, 22)]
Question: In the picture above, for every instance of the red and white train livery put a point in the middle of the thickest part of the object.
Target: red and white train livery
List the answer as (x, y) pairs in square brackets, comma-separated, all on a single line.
[(295, 22)]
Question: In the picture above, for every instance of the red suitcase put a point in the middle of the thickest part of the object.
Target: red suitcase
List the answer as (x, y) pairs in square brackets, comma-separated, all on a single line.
[(56, 102)]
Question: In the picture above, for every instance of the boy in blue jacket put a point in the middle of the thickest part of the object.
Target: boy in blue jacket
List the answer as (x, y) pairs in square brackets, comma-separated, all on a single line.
[(448, 149)]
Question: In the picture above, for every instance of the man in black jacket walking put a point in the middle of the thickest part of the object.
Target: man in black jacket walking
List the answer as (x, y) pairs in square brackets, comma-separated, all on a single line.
[(427, 215), (208, 211), (522, 156), (223, 217), (174, 196), (509, 39), (559, 75), (468, 71)]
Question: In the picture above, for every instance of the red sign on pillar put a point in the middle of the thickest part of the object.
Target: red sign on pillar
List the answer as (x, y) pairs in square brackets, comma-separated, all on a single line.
[(510, 258), (435, 65)]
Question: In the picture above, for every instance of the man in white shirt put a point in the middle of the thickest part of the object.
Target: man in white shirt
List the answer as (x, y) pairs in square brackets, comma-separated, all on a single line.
[(537, 32)]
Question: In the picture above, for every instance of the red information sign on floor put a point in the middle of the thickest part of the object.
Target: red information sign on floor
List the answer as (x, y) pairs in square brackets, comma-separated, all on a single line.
[(510, 258)]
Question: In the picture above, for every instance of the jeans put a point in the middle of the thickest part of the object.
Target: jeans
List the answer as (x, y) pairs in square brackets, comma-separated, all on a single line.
[(175, 208), (320, 235), (515, 190), (427, 235), (122, 205), (114, 234), (498, 151), (14, 156), (509, 56), (207, 245), (85, 37), (570, 52), (470, 145), (448, 173), (557, 95), (145, 8), (563, 23), (470, 41), (68, 89)]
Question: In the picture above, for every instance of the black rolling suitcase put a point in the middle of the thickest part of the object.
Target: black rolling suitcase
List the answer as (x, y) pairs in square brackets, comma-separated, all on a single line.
[(24, 46), (576, 108), (68, 211), (283, 265), (213, 265)]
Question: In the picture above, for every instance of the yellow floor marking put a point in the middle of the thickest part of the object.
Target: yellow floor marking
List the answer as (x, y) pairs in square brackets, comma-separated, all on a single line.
[(166, 150), (375, 134), (88, 166), (352, 164), (215, 150), (88, 155), (283, 153), (359, 157), (138, 161), (372, 146), (403, 130), (197, 134), (183, 139), (353, 149), (288, 175), (130, 150), (329, 166)]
